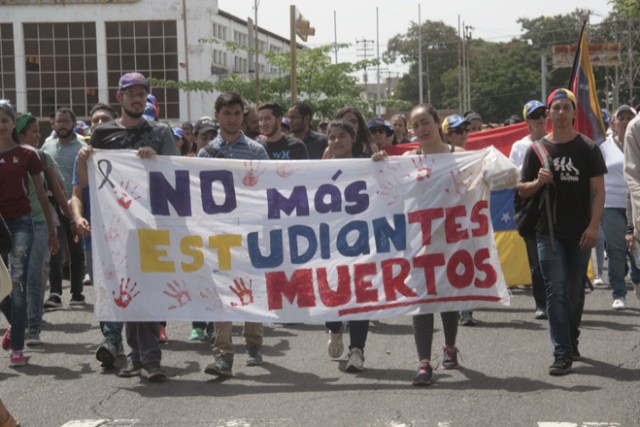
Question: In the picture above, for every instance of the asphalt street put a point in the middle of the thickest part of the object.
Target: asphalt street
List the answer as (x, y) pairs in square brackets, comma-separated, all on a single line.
[(503, 380)]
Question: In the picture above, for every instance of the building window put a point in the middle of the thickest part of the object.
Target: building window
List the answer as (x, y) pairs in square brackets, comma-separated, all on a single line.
[(61, 67), (240, 38), (151, 48), (7, 64), (220, 31)]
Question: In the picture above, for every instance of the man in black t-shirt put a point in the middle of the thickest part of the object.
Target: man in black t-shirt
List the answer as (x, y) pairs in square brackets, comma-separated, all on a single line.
[(279, 146), (300, 116), (132, 131), (576, 190)]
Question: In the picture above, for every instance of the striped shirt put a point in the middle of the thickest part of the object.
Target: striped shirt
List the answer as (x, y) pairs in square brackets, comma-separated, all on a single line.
[(243, 149)]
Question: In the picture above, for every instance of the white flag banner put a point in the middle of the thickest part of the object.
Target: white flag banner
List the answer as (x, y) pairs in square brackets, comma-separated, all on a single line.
[(177, 238)]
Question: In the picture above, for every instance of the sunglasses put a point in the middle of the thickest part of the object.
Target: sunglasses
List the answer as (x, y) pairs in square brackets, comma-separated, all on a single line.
[(538, 114), (378, 130), (460, 130)]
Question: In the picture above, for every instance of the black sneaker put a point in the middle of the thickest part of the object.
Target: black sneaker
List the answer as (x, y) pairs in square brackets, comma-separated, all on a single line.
[(53, 302), (423, 377), (255, 357), (220, 367), (106, 354), (450, 357), (561, 366), (133, 369), (77, 299), (154, 374)]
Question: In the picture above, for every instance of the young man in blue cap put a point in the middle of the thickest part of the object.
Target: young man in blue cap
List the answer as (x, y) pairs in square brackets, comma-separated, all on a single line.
[(576, 187)]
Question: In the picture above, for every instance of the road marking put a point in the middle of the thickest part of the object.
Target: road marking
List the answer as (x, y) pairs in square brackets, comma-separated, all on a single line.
[(101, 423)]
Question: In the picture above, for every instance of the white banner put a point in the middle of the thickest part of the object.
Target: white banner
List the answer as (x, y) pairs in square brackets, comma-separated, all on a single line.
[(178, 238)]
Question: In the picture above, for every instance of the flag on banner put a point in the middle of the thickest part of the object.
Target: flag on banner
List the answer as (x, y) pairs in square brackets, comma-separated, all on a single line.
[(583, 85)]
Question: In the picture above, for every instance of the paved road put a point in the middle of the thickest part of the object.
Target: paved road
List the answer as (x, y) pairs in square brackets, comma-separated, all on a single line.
[(503, 382)]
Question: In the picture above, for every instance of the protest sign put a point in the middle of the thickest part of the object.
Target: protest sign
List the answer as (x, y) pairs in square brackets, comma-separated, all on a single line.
[(179, 238)]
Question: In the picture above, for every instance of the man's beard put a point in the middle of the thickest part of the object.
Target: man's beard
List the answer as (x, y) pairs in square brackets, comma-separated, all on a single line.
[(64, 133), (133, 114)]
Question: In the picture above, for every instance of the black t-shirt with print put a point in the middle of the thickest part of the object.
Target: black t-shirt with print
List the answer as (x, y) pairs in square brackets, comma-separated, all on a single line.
[(287, 148), (574, 164)]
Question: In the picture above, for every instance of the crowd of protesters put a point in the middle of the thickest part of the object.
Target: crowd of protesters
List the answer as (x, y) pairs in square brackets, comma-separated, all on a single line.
[(45, 204)]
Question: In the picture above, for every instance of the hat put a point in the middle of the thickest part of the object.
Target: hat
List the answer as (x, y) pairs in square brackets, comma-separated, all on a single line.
[(560, 94), (532, 106), (472, 115), (132, 79), (452, 122), (177, 132), (624, 108), (152, 99), (285, 122), (205, 124), (80, 127), (377, 122), (150, 112)]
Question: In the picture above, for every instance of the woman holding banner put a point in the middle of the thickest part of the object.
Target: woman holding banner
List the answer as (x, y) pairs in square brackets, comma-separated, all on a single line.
[(426, 128), (342, 144)]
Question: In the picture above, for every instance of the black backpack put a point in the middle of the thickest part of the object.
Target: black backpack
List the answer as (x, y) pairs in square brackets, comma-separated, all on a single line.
[(529, 211)]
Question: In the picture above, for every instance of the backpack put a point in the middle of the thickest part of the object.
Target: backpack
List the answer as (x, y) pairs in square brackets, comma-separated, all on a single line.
[(529, 211)]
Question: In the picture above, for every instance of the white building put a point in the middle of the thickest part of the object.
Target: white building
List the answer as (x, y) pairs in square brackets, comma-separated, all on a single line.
[(72, 52)]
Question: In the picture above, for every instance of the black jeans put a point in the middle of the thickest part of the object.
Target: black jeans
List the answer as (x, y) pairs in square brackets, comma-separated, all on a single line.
[(143, 337), (76, 262)]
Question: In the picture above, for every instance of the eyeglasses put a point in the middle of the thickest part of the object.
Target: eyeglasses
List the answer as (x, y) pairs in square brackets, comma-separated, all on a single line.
[(134, 95), (377, 130), (538, 114), (460, 130)]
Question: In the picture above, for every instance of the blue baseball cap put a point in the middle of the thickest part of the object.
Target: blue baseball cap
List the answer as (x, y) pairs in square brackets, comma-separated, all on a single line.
[(178, 132), (453, 121), (132, 79), (532, 106)]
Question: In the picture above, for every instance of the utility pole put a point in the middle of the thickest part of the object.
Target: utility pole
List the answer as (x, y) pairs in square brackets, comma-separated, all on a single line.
[(364, 53), (257, 60), (378, 65), (420, 90), (335, 36), (460, 99)]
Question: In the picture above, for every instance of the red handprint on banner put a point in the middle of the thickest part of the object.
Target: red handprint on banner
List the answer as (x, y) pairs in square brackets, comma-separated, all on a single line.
[(126, 295), (127, 194), (244, 293), (178, 292), (251, 177), (422, 170)]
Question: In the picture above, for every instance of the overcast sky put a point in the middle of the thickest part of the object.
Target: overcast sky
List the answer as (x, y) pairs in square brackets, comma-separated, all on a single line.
[(356, 19)]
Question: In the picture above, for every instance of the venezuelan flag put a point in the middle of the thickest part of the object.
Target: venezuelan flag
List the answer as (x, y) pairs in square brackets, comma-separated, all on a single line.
[(583, 85), (511, 247)]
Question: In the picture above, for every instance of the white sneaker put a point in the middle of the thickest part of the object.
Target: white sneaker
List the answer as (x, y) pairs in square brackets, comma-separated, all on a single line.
[(598, 281), (356, 361), (87, 280), (335, 346), (619, 304)]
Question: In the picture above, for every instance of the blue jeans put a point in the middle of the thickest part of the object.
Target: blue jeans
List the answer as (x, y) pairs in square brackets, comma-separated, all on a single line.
[(112, 332), (537, 284), (614, 225), (564, 272), (14, 306), (600, 253), (37, 275)]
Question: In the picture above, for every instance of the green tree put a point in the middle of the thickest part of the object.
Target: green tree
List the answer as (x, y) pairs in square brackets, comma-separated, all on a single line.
[(626, 8), (440, 48), (325, 86)]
